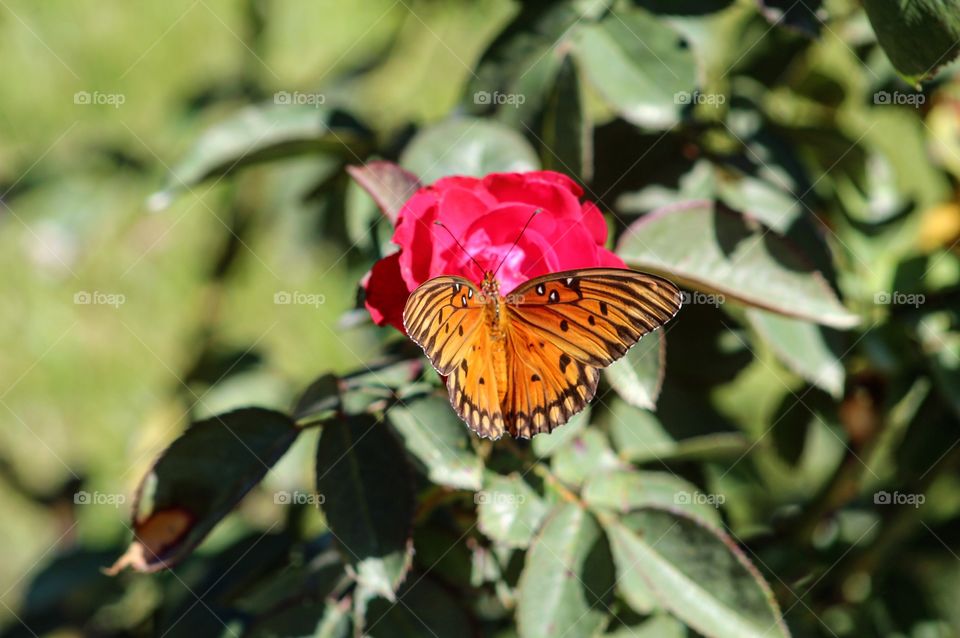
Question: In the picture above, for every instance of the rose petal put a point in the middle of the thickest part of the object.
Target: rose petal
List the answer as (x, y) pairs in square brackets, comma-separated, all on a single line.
[(556, 197), (595, 223), (458, 208), (552, 177), (415, 235), (386, 292)]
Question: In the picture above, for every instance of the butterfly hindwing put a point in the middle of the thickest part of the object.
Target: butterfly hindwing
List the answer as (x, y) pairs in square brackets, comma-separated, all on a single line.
[(474, 388), (445, 317), (545, 385)]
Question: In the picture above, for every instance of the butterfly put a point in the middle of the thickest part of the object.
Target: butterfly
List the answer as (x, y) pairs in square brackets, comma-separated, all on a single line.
[(525, 363)]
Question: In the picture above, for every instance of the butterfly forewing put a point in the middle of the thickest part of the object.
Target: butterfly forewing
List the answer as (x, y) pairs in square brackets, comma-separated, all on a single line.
[(594, 314), (565, 326), (442, 316), (445, 317)]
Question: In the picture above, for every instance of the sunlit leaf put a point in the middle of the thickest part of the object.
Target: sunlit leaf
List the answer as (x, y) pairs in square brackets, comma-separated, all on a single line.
[(438, 439), (260, 133), (467, 147), (639, 65), (639, 437), (637, 377), (696, 573), (508, 510), (547, 444), (586, 454), (625, 491), (567, 582), (804, 347), (725, 253)]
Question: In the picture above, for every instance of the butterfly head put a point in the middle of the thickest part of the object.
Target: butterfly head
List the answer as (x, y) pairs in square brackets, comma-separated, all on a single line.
[(490, 287)]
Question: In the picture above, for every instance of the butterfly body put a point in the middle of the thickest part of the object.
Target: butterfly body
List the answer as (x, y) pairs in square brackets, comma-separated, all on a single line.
[(528, 361)]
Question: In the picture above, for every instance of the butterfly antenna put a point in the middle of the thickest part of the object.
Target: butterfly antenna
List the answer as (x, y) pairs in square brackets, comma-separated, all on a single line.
[(459, 245), (523, 230)]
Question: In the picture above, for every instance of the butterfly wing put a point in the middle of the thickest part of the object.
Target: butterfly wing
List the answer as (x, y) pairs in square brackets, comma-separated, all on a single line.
[(444, 316), (563, 327), (545, 385)]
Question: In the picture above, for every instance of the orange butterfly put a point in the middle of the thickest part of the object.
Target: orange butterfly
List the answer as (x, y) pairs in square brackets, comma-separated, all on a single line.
[(527, 362)]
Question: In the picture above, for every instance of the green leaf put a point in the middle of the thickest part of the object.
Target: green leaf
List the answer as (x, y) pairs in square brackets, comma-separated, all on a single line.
[(311, 619), (696, 572), (587, 453), (423, 608), (804, 347), (658, 626), (368, 391), (638, 376), (521, 61), (804, 17), (567, 135), (567, 582), (389, 185), (736, 257), (318, 575), (625, 491), (368, 499), (771, 204), (439, 441), (335, 622), (320, 401), (640, 437), (198, 480), (941, 347), (508, 510), (467, 147), (261, 133), (639, 65), (547, 444), (919, 36)]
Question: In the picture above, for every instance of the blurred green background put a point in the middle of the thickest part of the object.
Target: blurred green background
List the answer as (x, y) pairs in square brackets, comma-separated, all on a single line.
[(141, 287), (94, 392)]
